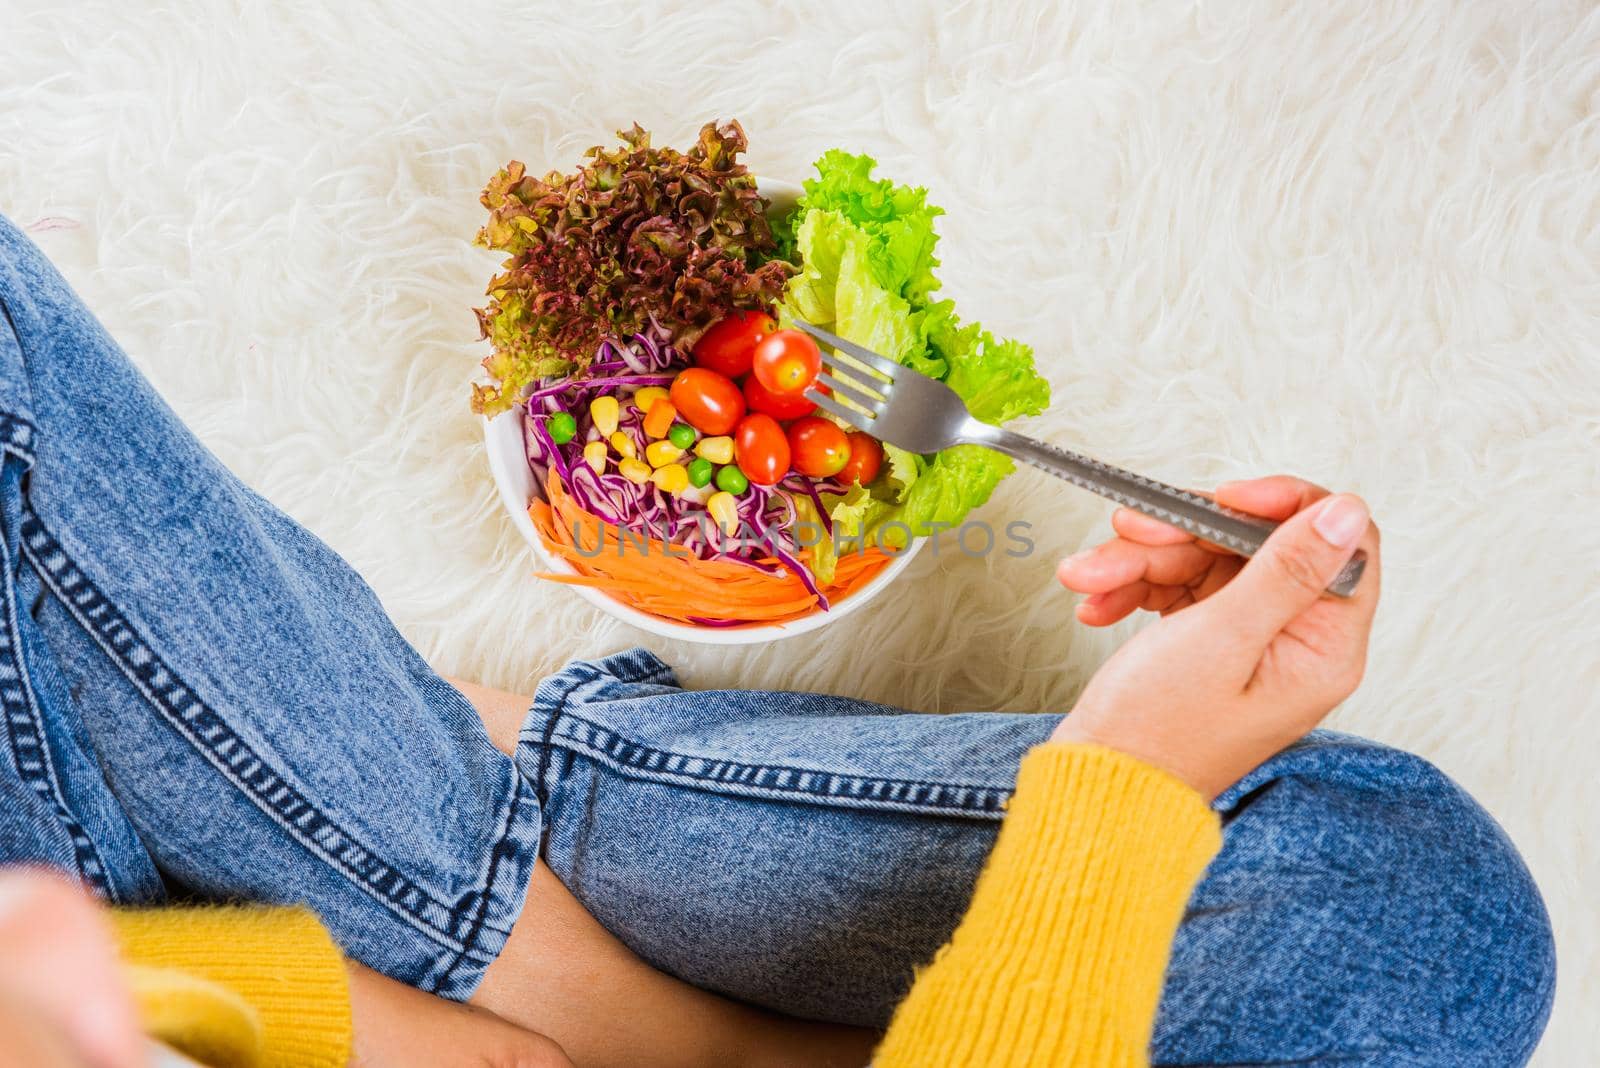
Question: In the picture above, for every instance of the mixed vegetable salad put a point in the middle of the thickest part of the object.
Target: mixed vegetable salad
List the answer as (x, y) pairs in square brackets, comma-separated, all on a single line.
[(642, 328)]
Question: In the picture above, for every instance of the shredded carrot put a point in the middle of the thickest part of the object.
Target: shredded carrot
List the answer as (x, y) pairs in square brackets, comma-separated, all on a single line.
[(670, 582)]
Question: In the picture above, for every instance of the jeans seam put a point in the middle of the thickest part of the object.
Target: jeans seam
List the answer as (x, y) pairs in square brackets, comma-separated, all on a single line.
[(24, 721), (557, 706), (105, 623), (501, 848), (623, 667), (770, 780), (17, 432)]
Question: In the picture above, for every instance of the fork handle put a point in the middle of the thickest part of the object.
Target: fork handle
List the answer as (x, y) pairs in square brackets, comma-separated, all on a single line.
[(1189, 512)]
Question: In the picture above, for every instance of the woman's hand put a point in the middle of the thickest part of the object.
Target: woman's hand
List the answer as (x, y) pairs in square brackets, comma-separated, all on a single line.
[(1250, 655), (62, 998)]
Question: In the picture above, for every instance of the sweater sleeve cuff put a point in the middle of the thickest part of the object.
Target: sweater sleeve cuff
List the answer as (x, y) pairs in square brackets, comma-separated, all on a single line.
[(1156, 827), (1061, 956), (280, 961)]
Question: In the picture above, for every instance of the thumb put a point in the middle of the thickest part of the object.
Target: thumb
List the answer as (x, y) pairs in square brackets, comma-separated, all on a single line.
[(1294, 567)]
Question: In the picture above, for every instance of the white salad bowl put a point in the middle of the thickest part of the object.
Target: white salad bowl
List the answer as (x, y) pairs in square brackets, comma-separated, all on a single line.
[(502, 438)]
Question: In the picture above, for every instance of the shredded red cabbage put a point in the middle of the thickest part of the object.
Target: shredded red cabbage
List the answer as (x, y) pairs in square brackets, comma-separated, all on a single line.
[(767, 514)]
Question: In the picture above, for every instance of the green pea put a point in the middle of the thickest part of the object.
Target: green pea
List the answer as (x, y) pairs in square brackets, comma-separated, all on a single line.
[(561, 426), (681, 435), (733, 480), (700, 471)]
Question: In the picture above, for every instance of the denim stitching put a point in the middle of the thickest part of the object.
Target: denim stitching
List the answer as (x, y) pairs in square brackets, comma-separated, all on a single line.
[(16, 436), (631, 665), (501, 850), (17, 700), (580, 673), (16, 432), (25, 721), (555, 693), (229, 753), (773, 780)]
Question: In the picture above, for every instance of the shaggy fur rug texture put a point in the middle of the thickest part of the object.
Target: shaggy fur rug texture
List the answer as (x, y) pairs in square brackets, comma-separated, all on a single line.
[(1358, 242)]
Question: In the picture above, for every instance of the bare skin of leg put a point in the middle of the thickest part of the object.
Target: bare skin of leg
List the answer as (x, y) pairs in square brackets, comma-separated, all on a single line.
[(566, 977)]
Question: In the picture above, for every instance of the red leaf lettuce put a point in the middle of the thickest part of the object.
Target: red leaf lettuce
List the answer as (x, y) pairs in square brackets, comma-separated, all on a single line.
[(635, 234)]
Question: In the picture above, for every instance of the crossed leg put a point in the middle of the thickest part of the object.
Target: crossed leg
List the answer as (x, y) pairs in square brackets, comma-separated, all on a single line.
[(564, 975)]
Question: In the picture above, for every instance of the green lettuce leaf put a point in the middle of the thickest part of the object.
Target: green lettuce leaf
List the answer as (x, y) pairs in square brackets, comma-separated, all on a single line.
[(812, 532), (956, 481), (837, 290), (853, 516), (866, 247), (901, 469), (897, 220), (940, 493), (997, 380)]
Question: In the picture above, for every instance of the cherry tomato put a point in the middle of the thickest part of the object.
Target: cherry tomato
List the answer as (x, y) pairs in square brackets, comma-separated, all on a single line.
[(778, 405), (818, 448), (729, 345), (707, 401), (786, 362), (866, 456), (761, 449)]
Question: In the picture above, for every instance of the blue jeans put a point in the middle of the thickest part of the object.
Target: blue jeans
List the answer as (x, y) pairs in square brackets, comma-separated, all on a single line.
[(201, 699)]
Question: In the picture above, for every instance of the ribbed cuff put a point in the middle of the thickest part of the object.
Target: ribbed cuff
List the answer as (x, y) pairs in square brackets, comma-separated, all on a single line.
[(279, 960), (203, 1020), (1061, 956)]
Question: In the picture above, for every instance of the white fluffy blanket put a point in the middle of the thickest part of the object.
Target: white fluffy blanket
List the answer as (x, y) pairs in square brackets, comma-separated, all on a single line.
[(1355, 241)]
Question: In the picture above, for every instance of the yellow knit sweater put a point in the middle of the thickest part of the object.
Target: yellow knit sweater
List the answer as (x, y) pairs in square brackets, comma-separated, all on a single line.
[(1059, 960), (244, 987)]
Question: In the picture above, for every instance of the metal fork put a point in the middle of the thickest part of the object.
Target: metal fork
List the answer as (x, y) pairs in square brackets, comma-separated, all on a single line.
[(908, 409)]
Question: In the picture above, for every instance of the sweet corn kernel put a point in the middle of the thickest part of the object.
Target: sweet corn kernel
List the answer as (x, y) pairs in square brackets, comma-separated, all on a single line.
[(724, 508), (594, 454), (624, 445), (671, 478), (718, 450), (661, 453), (604, 411), (634, 470), (648, 396), (658, 420)]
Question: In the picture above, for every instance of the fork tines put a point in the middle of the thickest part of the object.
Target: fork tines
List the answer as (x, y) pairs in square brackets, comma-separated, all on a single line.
[(886, 367), (864, 399)]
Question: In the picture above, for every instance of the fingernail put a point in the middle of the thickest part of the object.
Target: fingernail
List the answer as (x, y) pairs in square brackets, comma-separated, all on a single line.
[(1341, 521), (1076, 557)]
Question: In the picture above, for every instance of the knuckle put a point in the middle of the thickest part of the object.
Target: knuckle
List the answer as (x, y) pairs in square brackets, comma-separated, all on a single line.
[(1299, 568), (1309, 489)]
